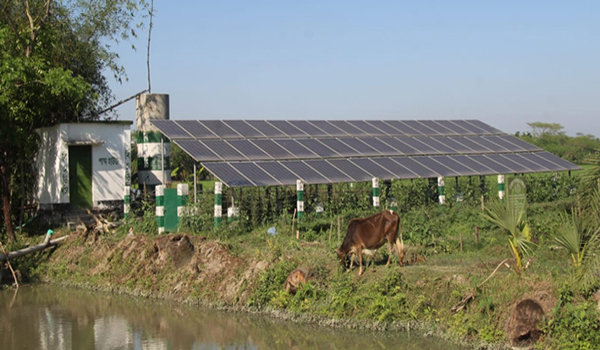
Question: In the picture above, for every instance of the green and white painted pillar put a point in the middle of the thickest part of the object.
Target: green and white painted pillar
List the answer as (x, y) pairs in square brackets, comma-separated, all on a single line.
[(375, 192), (160, 208), (153, 148), (182, 200), (218, 203), (441, 190), (501, 187), (300, 198), (126, 201)]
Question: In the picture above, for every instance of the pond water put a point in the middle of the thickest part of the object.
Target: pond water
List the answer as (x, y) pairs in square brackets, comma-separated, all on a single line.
[(50, 317)]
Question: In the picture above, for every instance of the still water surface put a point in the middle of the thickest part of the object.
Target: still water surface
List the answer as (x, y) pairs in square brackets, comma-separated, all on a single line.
[(49, 317)]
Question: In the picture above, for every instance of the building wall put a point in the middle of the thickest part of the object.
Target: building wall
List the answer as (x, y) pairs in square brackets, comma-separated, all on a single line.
[(110, 161)]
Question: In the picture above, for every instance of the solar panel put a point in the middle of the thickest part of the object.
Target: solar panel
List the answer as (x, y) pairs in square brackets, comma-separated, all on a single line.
[(279, 172), (484, 126), (226, 173), (223, 149), (328, 127), (273, 149), (305, 172), (196, 129), (219, 128), (255, 174), (287, 128), (455, 165), (416, 167), (367, 127), (339, 147), (348, 128), (355, 172), (437, 168), (491, 164), (296, 148), (557, 160), (373, 168), (249, 150), (331, 172), (197, 150), (171, 130), (243, 128), (454, 127), (398, 171), (422, 128), (266, 153), (266, 129), (362, 148), (308, 128), (319, 148)]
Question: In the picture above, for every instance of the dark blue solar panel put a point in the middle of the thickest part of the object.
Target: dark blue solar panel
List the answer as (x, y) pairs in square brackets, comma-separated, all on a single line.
[(494, 147), (373, 168), (454, 145), (362, 148), (249, 149), (433, 125), (398, 171), (328, 128), (226, 173), (472, 164), (422, 128), (331, 172), (491, 164), (197, 150), (416, 167), (532, 157), (224, 150), (279, 172), (273, 149), (220, 128), (472, 144), (535, 167), (436, 167), (243, 128), (380, 146), (455, 165), (266, 129), (557, 160), (170, 129), (516, 167), (484, 126), (454, 127), (319, 148), (288, 128), (255, 174), (348, 128), (386, 127), (435, 144), (367, 127), (308, 128), (340, 148), (305, 172), (472, 129), (403, 128), (402, 147), (352, 170), (196, 129), (499, 140), (524, 145), (296, 148), (418, 144)]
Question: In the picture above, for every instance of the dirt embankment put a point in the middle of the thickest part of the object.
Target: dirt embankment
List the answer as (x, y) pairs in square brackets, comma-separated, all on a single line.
[(180, 267)]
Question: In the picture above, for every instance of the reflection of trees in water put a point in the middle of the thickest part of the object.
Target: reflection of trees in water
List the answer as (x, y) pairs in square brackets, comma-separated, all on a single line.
[(41, 309)]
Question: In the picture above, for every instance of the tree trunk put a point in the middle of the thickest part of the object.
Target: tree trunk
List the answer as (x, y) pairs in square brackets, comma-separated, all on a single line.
[(4, 180)]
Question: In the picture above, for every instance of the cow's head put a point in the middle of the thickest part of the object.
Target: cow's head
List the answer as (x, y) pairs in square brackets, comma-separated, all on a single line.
[(341, 255)]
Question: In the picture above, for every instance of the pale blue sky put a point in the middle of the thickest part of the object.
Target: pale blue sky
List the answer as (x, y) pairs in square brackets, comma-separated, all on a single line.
[(503, 62)]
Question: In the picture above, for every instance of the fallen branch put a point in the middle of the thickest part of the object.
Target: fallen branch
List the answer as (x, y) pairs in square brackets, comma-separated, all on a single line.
[(471, 295), (33, 249)]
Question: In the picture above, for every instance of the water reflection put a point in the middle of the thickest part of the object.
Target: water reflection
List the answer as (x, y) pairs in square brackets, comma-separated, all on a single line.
[(47, 317)]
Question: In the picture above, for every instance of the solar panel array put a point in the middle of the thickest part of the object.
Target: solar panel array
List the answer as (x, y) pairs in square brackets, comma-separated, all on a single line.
[(278, 152)]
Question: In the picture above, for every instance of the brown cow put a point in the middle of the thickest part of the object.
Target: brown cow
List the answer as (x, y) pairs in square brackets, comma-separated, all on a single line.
[(371, 233)]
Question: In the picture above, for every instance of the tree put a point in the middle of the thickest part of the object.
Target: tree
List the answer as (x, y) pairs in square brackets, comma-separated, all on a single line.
[(538, 129), (51, 64)]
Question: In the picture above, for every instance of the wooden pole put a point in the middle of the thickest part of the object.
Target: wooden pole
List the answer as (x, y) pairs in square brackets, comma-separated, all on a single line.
[(293, 220), (482, 203), (330, 229), (339, 225)]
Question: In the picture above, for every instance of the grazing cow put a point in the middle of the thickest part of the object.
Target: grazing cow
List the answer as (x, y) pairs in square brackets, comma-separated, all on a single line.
[(371, 233)]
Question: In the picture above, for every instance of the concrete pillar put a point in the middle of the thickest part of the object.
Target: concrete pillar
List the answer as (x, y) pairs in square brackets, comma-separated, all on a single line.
[(126, 201), (218, 203), (300, 198), (441, 190), (160, 208), (182, 200), (375, 182), (153, 149), (501, 187)]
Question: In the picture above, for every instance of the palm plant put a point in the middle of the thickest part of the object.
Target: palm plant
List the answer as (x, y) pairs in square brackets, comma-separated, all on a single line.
[(575, 238), (509, 216)]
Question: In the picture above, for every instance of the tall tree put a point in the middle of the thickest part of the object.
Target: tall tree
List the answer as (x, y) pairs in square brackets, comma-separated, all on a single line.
[(539, 128), (51, 64)]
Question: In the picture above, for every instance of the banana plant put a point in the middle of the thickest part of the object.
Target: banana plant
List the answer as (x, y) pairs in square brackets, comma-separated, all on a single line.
[(510, 218)]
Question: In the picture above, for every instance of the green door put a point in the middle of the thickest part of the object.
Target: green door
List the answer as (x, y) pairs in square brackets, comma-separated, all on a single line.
[(80, 176), (171, 220)]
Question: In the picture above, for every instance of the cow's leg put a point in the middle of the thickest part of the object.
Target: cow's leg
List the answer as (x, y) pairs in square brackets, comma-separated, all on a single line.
[(351, 262), (390, 249), (359, 253), (400, 250)]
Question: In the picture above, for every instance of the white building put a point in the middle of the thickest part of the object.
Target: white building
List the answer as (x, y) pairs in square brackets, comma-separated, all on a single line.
[(84, 165)]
